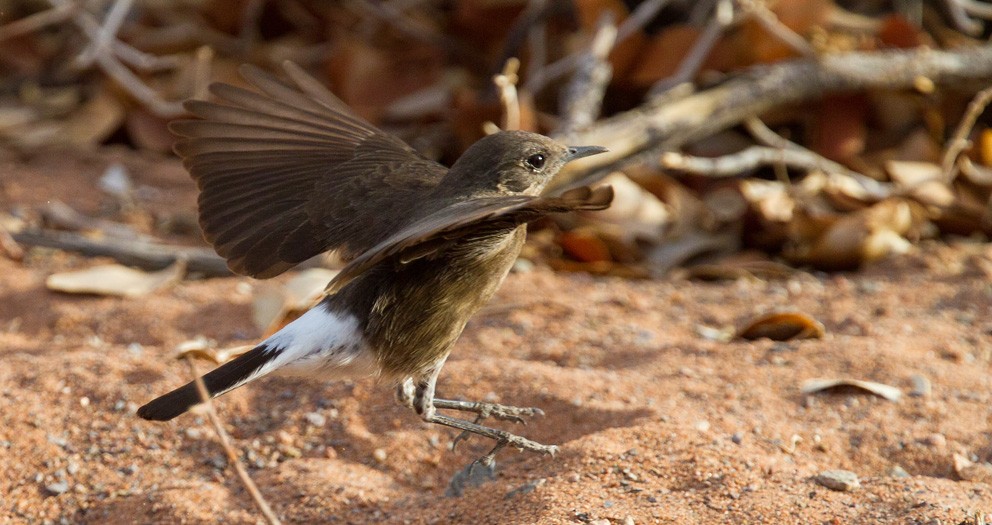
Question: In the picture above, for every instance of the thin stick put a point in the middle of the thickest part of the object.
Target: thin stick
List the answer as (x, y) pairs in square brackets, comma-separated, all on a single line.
[(506, 82), (765, 135), (584, 96), (959, 141), (37, 21), (9, 246), (723, 18), (225, 442), (107, 33), (764, 16), (130, 252)]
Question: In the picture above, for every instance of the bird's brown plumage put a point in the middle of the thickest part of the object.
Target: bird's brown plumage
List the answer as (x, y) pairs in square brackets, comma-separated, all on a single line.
[(289, 171)]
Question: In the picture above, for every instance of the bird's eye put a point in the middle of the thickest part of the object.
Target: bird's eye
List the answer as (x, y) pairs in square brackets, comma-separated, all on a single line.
[(536, 161)]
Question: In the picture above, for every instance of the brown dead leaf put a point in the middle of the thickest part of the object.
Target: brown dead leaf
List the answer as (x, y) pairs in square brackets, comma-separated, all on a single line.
[(584, 245), (115, 280), (782, 326), (985, 147), (202, 348), (841, 131), (814, 386), (640, 213), (273, 308)]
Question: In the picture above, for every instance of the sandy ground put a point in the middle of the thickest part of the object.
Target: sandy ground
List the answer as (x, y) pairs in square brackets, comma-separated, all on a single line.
[(657, 423)]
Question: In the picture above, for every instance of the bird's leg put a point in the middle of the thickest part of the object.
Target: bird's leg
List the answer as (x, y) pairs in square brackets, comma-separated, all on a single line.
[(426, 406)]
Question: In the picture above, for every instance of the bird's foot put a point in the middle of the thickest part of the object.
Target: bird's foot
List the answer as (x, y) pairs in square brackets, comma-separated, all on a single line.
[(487, 410), (501, 437)]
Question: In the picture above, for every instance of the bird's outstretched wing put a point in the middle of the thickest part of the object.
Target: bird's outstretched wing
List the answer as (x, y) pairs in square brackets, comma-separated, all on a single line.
[(442, 229), (288, 172)]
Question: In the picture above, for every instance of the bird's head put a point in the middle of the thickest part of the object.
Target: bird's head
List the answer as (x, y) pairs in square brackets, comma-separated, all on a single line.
[(511, 163)]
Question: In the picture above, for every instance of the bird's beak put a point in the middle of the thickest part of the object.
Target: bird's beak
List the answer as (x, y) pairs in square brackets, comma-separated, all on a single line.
[(577, 152)]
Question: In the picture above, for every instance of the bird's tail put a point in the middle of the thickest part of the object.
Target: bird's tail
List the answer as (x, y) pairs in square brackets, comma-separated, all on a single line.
[(228, 376)]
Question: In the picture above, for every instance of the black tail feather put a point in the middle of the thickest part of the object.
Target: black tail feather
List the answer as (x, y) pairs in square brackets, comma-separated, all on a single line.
[(218, 381)]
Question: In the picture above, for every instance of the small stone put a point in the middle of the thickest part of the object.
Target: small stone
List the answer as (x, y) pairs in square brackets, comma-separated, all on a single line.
[(600, 522), (840, 480), (921, 386), (72, 468), (628, 520), (702, 426), (574, 477), (935, 440), (84, 401), (737, 438), (379, 455), (315, 419), (59, 487), (898, 472)]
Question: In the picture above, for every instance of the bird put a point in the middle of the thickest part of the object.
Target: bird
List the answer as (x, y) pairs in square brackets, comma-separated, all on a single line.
[(287, 171)]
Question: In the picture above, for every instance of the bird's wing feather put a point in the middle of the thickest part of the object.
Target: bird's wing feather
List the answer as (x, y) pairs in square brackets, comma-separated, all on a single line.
[(443, 228), (288, 172)]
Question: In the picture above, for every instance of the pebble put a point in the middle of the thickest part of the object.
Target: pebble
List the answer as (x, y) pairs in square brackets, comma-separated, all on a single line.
[(935, 440), (59, 487), (737, 438), (921, 386), (898, 472), (840, 480), (315, 419), (379, 455)]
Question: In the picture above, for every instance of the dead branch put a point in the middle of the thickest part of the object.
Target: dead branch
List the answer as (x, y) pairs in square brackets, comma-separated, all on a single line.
[(583, 98), (38, 21), (506, 82), (959, 141), (723, 18), (737, 164), (225, 443), (142, 255), (106, 35), (632, 136), (9, 246)]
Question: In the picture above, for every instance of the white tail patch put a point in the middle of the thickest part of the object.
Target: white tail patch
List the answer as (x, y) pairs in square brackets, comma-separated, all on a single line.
[(319, 343)]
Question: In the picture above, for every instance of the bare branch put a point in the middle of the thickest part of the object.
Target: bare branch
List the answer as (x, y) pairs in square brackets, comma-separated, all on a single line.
[(225, 443), (583, 97), (100, 43), (741, 162), (143, 255), (722, 19), (38, 21), (959, 141), (506, 82), (668, 125)]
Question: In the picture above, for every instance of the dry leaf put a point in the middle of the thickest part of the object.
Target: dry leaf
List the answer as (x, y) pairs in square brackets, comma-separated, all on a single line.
[(985, 144), (203, 348), (116, 280), (639, 212), (782, 326), (273, 308), (814, 386), (584, 245)]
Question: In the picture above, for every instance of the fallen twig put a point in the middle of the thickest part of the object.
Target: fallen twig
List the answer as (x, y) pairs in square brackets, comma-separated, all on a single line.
[(9, 246), (506, 83), (743, 161), (959, 141), (38, 21), (225, 443), (142, 255), (583, 97), (637, 135)]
